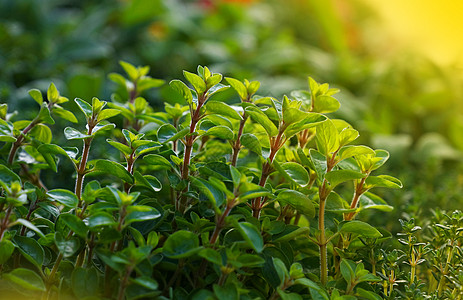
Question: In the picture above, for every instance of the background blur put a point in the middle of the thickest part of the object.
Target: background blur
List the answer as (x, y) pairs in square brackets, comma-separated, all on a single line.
[(397, 63)]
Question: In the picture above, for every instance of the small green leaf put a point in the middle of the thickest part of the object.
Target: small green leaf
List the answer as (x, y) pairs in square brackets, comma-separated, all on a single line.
[(49, 151), (181, 244), (183, 90), (26, 279), (311, 120), (37, 96), (327, 138), (211, 192), (66, 247), (75, 224), (31, 226), (222, 132), (107, 113), (239, 87), (258, 116), (64, 114), (226, 292), (251, 235), (298, 201), (326, 104), (339, 176), (251, 142), (130, 69), (197, 82), (6, 250), (360, 228), (138, 213), (109, 167), (158, 161), (7, 176), (73, 134), (347, 271), (65, 197), (223, 109), (84, 282), (383, 181), (100, 219), (44, 115), (350, 151), (84, 107), (211, 255), (31, 250), (293, 172), (41, 133), (52, 93), (121, 147), (372, 201)]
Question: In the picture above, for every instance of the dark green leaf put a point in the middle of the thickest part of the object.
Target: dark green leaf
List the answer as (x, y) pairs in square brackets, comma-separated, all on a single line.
[(251, 235), (74, 134), (66, 247), (138, 213), (6, 250), (84, 282), (31, 250), (64, 197), (111, 168), (298, 201), (75, 224), (251, 142), (181, 244), (183, 90)]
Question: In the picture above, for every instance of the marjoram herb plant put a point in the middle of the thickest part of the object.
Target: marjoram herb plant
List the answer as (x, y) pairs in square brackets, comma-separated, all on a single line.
[(208, 200)]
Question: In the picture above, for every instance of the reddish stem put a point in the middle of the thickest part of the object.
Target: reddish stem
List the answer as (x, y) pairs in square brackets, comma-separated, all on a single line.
[(20, 140), (237, 145)]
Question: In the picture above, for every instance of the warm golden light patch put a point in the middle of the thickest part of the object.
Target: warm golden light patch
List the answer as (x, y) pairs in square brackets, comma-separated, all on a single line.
[(432, 27)]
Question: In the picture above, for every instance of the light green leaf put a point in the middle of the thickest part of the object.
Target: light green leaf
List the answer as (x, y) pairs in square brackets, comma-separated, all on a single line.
[(108, 167), (160, 162), (360, 228), (223, 109), (130, 69), (383, 181), (298, 201), (349, 151), (52, 93), (26, 279), (119, 146), (84, 107), (327, 138), (41, 133), (197, 82), (36, 95), (44, 115), (73, 134), (258, 116), (293, 172), (107, 113), (221, 132), (251, 142), (372, 201), (64, 114), (239, 87), (49, 151), (339, 176), (311, 120), (326, 104)]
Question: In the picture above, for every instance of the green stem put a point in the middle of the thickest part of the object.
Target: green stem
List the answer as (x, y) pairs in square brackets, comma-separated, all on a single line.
[(20, 140), (123, 284), (442, 280), (237, 145), (5, 222)]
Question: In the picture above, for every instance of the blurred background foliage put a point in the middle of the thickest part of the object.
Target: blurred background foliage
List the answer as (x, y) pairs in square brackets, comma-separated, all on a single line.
[(399, 100)]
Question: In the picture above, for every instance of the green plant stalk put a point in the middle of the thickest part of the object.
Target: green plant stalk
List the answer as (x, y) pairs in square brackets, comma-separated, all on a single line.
[(442, 280), (124, 282), (20, 140), (358, 192), (130, 164), (237, 145), (276, 144), (189, 141), (107, 277), (5, 222), (221, 223)]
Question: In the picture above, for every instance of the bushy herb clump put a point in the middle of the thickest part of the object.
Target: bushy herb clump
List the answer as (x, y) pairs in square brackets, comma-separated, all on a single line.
[(208, 200)]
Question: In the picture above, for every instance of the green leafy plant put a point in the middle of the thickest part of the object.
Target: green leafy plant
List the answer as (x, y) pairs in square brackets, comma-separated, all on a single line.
[(207, 200)]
